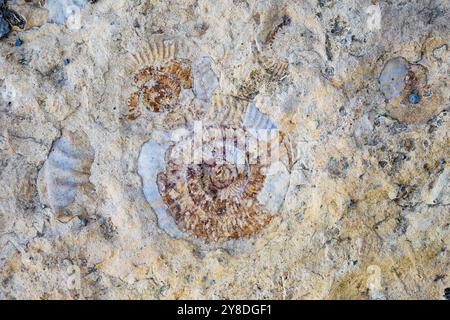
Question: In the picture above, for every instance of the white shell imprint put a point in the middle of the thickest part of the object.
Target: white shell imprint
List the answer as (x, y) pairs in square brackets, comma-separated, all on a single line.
[(205, 80), (61, 10), (67, 171), (275, 186), (256, 119), (151, 163), (392, 78)]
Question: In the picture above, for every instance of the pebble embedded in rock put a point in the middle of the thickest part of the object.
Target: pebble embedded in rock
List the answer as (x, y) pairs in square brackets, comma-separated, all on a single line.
[(414, 98), (4, 28)]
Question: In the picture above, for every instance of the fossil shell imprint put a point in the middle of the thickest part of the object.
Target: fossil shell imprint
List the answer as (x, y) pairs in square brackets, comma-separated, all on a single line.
[(205, 80), (215, 185), (271, 27), (64, 179), (277, 69), (270, 70), (159, 74), (392, 78), (410, 95), (226, 110)]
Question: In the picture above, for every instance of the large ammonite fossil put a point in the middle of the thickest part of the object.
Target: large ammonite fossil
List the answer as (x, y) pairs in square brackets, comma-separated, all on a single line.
[(218, 180)]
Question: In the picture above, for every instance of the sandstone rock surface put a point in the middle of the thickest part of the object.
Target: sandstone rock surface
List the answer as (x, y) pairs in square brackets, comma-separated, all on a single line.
[(366, 214)]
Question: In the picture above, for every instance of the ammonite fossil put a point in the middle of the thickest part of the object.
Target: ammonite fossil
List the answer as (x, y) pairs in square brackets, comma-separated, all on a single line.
[(271, 69), (64, 180), (272, 27), (218, 180), (159, 75), (221, 190), (285, 21)]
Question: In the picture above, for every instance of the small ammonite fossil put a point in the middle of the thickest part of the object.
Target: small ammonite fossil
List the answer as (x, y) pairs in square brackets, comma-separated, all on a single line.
[(272, 68), (269, 71), (159, 76), (285, 21), (159, 88), (222, 183)]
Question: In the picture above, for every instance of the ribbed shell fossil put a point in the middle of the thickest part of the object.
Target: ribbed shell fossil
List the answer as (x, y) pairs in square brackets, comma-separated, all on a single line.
[(271, 27), (286, 21), (271, 24), (159, 76), (226, 110), (64, 180), (217, 188), (277, 69), (409, 92), (269, 72)]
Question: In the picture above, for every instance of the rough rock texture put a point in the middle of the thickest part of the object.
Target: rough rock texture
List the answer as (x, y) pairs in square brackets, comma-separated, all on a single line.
[(367, 212)]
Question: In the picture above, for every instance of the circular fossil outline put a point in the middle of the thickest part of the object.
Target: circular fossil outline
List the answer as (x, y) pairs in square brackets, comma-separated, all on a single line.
[(166, 185)]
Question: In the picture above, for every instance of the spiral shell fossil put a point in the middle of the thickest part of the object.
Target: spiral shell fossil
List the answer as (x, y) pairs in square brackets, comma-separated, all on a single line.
[(64, 179), (269, 72), (160, 76), (214, 184), (271, 28), (277, 69)]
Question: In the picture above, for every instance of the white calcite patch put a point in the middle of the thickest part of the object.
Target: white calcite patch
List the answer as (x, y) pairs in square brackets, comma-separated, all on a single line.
[(62, 10)]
